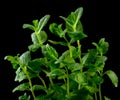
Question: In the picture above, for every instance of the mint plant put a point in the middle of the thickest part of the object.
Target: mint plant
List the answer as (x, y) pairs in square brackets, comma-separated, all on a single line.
[(56, 75)]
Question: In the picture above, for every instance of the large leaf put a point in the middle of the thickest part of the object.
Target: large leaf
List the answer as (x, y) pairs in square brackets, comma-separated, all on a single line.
[(113, 77)]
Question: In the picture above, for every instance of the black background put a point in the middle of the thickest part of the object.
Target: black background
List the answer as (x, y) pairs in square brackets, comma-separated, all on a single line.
[(100, 19)]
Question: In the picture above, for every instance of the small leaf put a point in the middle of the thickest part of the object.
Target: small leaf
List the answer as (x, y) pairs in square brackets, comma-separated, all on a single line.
[(21, 87), (106, 98), (33, 47), (34, 38), (113, 77), (35, 23), (29, 26), (56, 43), (43, 36), (24, 97)]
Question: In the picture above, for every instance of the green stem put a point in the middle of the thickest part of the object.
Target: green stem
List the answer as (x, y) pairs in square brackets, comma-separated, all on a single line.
[(95, 96), (50, 79), (78, 86), (68, 88), (39, 39), (70, 50), (79, 50), (100, 94), (30, 82), (43, 82)]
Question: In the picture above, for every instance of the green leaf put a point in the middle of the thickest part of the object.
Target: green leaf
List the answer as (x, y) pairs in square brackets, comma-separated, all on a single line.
[(35, 65), (14, 60), (34, 38), (73, 23), (49, 52), (21, 87), (33, 47), (75, 67), (20, 75), (43, 21), (113, 77), (42, 35), (66, 55), (97, 79), (57, 29), (106, 98), (35, 23), (25, 58), (76, 36), (56, 42), (78, 77), (38, 87), (90, 57), (24, 97), (56, 72), (29, 26), (102, 46), (91, 89)]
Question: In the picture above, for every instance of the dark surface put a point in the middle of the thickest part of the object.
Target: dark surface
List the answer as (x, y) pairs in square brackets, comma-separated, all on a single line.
[(100, 19)]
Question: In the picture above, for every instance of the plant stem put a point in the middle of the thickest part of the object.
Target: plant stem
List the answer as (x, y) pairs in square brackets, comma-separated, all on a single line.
[(39, 39), (100, 95), (70, 50), (43, 82), (68, 88), (95, 96), (50, 79), (30, 83)]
